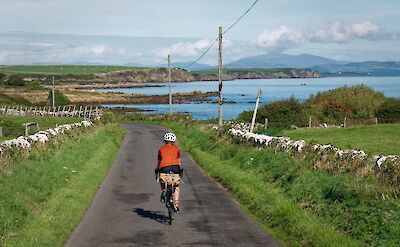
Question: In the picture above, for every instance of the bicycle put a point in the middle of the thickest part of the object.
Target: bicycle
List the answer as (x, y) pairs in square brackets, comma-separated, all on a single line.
[(169, 195)]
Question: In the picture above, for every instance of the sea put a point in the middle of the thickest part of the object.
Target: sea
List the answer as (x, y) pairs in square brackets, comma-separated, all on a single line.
[(244, 93)]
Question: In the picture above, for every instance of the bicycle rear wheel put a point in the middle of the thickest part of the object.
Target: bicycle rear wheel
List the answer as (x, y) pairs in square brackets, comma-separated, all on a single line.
[(170, 214), (169, 203)]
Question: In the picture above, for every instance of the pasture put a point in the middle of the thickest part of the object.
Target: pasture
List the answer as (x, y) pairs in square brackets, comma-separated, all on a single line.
[(374, 139), (61, 69)]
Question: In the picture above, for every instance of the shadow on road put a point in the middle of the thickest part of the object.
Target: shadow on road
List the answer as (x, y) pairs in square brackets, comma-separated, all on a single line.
[(153, 215)]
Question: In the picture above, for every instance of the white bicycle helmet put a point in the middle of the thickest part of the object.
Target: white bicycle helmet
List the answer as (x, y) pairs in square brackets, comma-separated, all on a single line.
[(169, 137)]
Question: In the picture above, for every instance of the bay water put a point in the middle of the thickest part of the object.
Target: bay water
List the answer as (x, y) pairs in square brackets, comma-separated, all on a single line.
[(244, 92)]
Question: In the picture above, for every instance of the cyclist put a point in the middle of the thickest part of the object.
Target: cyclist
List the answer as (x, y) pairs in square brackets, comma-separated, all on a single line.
[(169, 161)]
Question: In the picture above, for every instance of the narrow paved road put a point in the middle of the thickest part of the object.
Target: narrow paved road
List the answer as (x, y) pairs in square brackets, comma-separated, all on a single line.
[(126, 210)]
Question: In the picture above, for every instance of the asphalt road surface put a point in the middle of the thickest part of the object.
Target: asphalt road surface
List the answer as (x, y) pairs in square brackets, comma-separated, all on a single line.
[(126, 210)]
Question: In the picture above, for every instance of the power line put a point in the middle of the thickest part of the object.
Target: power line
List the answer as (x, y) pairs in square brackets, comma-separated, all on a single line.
[(229, 28), (202, 55), (245, 13), (158, 62)]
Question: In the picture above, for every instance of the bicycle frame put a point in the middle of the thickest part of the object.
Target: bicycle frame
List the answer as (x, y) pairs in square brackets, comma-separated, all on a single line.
[(170, 198)]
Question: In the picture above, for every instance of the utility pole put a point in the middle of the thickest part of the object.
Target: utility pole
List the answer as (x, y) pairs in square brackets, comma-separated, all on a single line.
[(170, 81), (220, 78), (253, 121), (53, 94)]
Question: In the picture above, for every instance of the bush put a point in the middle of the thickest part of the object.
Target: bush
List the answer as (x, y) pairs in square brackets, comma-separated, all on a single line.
[(280, 114), (389, 111), (2, 77), (356, 102), (14, 81), (34, 86), (109, 117), (59, 100)]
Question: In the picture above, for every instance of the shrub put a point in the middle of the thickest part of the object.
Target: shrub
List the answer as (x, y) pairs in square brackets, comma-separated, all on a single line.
[(59, 100), (280, 114), (284, 113), (15, 81), (389, 111), (2, 77), (34, 85), (357, 102), (109, 117)]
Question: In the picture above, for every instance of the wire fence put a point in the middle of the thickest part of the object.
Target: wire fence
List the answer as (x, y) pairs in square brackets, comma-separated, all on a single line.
[(87, 112)]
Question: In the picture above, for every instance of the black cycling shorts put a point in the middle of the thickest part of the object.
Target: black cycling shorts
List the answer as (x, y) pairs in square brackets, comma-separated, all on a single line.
[(175, 169)]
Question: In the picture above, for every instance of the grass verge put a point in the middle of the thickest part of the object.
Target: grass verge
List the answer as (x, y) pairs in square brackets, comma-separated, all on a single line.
[(297, 204), (45, 196)]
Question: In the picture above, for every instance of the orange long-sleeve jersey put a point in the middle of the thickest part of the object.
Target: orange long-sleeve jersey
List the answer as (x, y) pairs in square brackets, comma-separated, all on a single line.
[(168, 155)]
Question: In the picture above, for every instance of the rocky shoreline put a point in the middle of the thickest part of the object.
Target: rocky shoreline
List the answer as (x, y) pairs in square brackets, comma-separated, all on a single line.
[(157, 75), (39, 97)]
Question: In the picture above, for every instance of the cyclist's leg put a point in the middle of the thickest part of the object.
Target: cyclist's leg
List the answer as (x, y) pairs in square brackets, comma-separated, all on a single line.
[(163, 187), (177, 189), (176, 196)]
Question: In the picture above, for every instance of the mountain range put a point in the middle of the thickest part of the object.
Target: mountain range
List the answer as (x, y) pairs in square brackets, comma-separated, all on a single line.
[(326, 66)]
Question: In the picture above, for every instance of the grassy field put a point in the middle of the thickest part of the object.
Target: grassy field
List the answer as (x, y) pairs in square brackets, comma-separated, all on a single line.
[(13, 100), (12, 125), (294, 202), (60, 69), (375, 139), (44, 197)]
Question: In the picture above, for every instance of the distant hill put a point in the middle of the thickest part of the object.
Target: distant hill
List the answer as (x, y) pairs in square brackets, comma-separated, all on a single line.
[(196, 66), (134, 65), (282, 61), (183, 65), (326, 66), (369, 68)]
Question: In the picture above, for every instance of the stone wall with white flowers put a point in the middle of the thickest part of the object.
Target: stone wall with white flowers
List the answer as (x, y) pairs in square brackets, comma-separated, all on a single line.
[(326, 157), (26, 142)]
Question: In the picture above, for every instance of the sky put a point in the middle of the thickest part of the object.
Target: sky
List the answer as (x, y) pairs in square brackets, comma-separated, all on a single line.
[(145, 32)]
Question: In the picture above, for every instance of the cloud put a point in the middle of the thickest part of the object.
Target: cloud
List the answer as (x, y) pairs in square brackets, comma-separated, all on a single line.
[(279, 40), (338, 32), (185, 49), (285, 38), (89, 50), (98, 50)]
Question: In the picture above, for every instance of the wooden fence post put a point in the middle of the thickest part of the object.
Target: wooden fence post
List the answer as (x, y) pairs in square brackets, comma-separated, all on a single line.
[(310, 122), (97, 112), (345, 122), (84, 114)]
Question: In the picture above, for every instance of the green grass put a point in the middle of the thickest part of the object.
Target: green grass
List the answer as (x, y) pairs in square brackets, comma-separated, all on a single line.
[(374, 139), (295, 203), (44, 197), (60, 69), (12, 125)]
